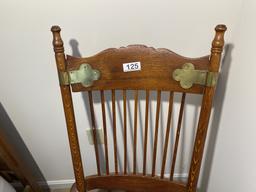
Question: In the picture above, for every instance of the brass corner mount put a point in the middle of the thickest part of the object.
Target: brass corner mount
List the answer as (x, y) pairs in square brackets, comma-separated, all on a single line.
[(84, 75), (188, 76)]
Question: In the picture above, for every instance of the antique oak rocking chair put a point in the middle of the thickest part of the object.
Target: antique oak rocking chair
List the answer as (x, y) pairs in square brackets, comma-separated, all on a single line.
[(152, 69)]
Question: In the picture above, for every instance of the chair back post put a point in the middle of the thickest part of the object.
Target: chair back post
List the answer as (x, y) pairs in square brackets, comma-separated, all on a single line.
[(216, 50), (69, 111)]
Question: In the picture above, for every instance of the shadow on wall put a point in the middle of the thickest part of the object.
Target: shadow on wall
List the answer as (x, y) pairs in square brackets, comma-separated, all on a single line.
[(17, 156), (216, 117), (76, 53)]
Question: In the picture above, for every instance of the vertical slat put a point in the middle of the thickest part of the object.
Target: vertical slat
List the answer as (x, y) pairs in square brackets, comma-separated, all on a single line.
[(114, 130), (146, 134), (69, 111), (94, 131), (177, 137), (104, 130), (135, 130), (156, 132), (167, 134), (125, 132)]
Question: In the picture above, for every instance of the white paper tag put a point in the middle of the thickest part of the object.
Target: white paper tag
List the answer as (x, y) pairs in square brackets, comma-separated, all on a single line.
[(133, 66)]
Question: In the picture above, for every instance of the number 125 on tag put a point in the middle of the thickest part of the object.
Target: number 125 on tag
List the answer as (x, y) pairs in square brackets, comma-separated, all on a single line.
[(133, 66)]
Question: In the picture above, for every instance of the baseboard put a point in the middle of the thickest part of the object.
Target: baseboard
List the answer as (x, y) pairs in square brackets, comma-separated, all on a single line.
[(61, 184), (64, 184)]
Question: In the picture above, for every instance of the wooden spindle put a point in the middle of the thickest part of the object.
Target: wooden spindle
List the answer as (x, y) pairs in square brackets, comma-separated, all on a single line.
[(114, 130), (177, 137), (69, 111), (125, 132), (146, 134), (217, 47), (104, 130), (135, 130), (167, 134), (156, 133), (94, 131)]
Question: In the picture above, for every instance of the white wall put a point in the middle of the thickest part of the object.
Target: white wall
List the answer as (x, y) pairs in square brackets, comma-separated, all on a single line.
[(29, 88), (233, 167)]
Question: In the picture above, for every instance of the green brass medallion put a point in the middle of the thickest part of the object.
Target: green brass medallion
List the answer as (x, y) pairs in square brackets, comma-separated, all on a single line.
[(84, 75), (188, 75)]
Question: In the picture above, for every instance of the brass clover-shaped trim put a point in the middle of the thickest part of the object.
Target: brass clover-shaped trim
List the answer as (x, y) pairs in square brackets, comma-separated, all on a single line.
[(84, 75), (188, 75)]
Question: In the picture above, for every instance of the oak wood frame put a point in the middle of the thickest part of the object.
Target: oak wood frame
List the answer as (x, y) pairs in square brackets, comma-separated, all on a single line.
[(156, 75)]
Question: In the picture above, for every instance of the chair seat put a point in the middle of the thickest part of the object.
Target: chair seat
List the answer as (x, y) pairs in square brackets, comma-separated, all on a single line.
[(136, 183)]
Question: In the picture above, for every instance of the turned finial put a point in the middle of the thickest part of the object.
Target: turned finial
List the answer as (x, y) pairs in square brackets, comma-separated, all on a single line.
[(57, 41), (217, 47), (218, 41)]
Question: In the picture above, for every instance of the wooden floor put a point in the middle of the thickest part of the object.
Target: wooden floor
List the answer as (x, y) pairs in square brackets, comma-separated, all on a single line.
[(68, 190), (61, 190)]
